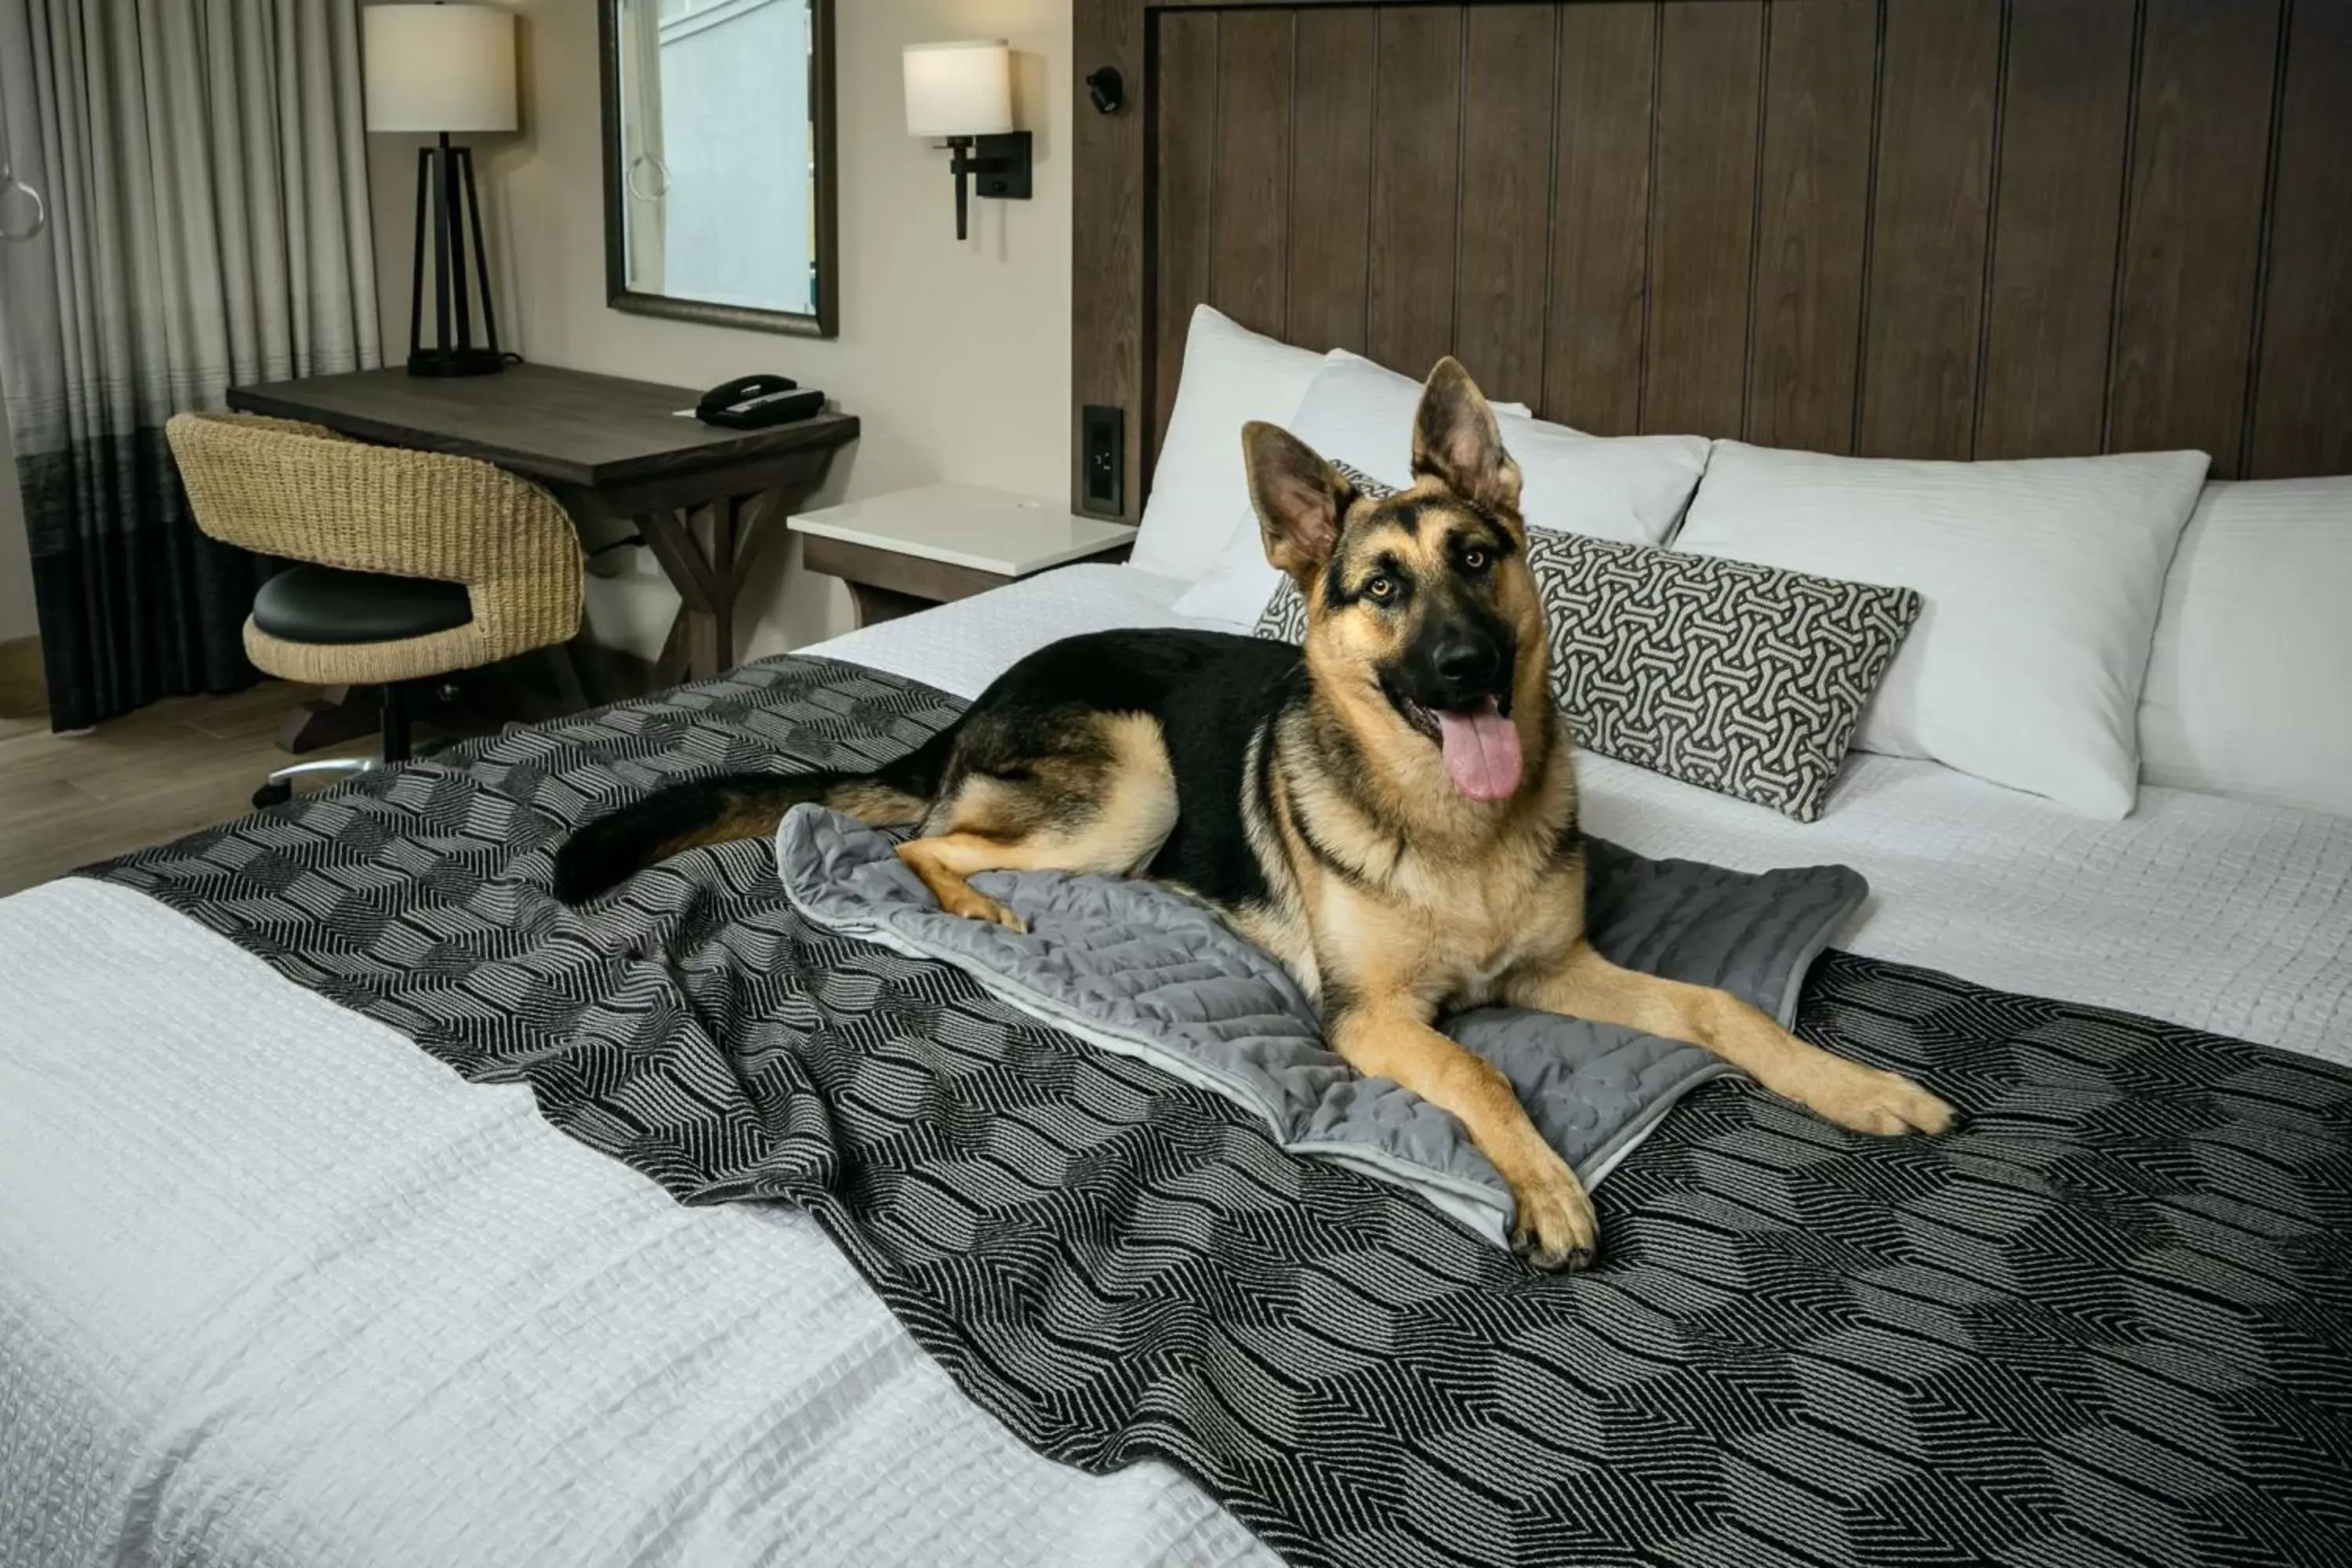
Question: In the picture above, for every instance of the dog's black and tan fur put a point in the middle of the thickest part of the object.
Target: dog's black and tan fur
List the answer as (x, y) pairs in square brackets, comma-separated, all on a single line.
[(1356, 807)]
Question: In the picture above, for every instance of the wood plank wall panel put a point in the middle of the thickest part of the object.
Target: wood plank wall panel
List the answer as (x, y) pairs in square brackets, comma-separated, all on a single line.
[(1110, 355), (2067, 104), (1248, 272), (1416, 189), (1813, 224), (1510, 58), (1929, 225), (2184, 325), (1703, 213), (1916, 227), (1186, 100), (1331, 178), (2302, 416), (1593, 345)]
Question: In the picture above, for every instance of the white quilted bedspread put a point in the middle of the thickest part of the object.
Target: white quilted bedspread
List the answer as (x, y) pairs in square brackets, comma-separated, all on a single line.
[(279, 1290), (267, 1296)]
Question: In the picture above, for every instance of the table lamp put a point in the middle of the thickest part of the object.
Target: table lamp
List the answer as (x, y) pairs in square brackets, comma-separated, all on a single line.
[(444, 69)]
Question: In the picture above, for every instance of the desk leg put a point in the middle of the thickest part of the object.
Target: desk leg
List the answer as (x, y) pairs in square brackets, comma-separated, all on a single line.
[(709, 579), (705, 529)]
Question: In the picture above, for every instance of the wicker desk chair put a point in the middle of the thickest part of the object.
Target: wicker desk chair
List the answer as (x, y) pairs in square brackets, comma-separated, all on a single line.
[(414, 564)]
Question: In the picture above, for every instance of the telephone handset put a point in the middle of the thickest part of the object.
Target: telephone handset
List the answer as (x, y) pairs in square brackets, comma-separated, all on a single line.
[(754, 401)]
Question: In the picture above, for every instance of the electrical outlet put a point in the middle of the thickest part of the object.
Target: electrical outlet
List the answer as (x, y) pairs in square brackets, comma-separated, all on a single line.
[(1102, 446)]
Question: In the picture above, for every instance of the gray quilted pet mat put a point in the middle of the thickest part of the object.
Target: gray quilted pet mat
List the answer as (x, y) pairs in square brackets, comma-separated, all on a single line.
[(1139, 970)]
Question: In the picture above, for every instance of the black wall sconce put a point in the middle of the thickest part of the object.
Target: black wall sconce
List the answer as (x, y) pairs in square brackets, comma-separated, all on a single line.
[(961, 94), (1107, 89)]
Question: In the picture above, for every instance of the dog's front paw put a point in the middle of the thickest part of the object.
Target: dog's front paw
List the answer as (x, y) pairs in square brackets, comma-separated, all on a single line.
[(978, 906), (1555, 1228), (1883, 1103)]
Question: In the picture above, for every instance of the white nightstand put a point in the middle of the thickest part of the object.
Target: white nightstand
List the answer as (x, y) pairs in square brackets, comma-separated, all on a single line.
[(912, 549)]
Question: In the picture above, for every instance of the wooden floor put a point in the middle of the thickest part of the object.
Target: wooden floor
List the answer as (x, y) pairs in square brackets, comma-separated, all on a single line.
[(184, 764)]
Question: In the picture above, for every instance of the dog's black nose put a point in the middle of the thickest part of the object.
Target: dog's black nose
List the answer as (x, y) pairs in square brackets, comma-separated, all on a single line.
[(1467, 666)]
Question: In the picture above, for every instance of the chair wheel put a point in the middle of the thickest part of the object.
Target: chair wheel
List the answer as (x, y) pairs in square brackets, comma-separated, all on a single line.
[(271, 795)]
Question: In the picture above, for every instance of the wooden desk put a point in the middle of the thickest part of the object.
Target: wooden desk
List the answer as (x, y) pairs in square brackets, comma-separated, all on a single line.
[(606, 447)]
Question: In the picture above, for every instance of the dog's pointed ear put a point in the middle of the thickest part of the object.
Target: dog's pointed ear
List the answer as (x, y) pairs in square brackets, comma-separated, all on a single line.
[(1456, 441), (1300, 500)]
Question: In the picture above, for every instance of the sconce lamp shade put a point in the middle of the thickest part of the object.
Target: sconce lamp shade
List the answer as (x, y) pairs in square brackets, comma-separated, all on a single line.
[(439, 68), (959, 89)]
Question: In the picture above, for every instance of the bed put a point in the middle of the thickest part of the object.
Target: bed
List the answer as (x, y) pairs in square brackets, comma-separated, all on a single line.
[(279, 1287), (302, 1294)]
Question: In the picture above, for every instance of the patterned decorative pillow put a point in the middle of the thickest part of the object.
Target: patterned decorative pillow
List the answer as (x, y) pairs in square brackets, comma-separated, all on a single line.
[(1745, 679)]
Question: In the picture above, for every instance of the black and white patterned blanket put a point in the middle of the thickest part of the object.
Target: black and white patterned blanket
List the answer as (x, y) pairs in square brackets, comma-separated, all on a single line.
[(2109, 1320)]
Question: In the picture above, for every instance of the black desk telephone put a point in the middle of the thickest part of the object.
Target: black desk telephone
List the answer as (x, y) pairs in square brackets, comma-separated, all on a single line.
[(756, 402)]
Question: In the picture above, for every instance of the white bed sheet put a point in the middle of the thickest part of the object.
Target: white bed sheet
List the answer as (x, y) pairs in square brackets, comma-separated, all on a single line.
[(279, 1290), (267, 1296)]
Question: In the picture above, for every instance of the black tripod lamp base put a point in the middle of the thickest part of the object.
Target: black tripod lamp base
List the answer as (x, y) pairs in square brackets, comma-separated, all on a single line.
[(449, 236), (457, 362)]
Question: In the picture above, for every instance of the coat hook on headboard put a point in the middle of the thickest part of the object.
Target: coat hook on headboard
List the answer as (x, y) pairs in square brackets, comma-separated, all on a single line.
[(1107, 89)]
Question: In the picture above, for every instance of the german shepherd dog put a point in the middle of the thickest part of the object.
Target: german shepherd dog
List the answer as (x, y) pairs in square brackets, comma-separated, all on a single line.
[(1391, 810)]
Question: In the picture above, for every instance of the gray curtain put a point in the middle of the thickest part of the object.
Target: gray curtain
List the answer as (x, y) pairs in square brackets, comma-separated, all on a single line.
[(207, 180)]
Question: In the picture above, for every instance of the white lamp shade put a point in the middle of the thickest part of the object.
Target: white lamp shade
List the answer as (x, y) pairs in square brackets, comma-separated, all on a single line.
[(439, 68), (960, 88)]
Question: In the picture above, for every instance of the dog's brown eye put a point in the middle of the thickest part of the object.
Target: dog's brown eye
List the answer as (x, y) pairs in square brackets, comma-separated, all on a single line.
[(1475, 560), (1381, 588)]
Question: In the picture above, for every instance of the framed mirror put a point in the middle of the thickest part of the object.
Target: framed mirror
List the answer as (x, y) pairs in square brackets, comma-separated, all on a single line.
[(719, 161)]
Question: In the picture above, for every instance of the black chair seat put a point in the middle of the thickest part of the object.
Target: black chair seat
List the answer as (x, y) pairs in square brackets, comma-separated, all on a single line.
[(323, 605)]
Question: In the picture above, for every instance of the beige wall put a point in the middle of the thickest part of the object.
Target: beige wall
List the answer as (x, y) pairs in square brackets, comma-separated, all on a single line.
[(955, 356)]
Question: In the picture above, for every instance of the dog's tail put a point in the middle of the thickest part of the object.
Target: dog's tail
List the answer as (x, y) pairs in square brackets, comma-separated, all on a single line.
[(603, 854)]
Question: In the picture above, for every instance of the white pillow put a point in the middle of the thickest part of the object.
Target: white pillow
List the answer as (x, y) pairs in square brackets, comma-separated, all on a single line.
[(2040, 581), (1231, 376), (2250, 688), (1629, 487)]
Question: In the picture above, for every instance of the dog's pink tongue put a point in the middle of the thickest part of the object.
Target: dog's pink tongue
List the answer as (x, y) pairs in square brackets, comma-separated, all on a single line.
[(1482, 752)]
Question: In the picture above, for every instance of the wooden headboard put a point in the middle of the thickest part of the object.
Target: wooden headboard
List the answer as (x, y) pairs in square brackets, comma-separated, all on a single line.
[(1943, 228)]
